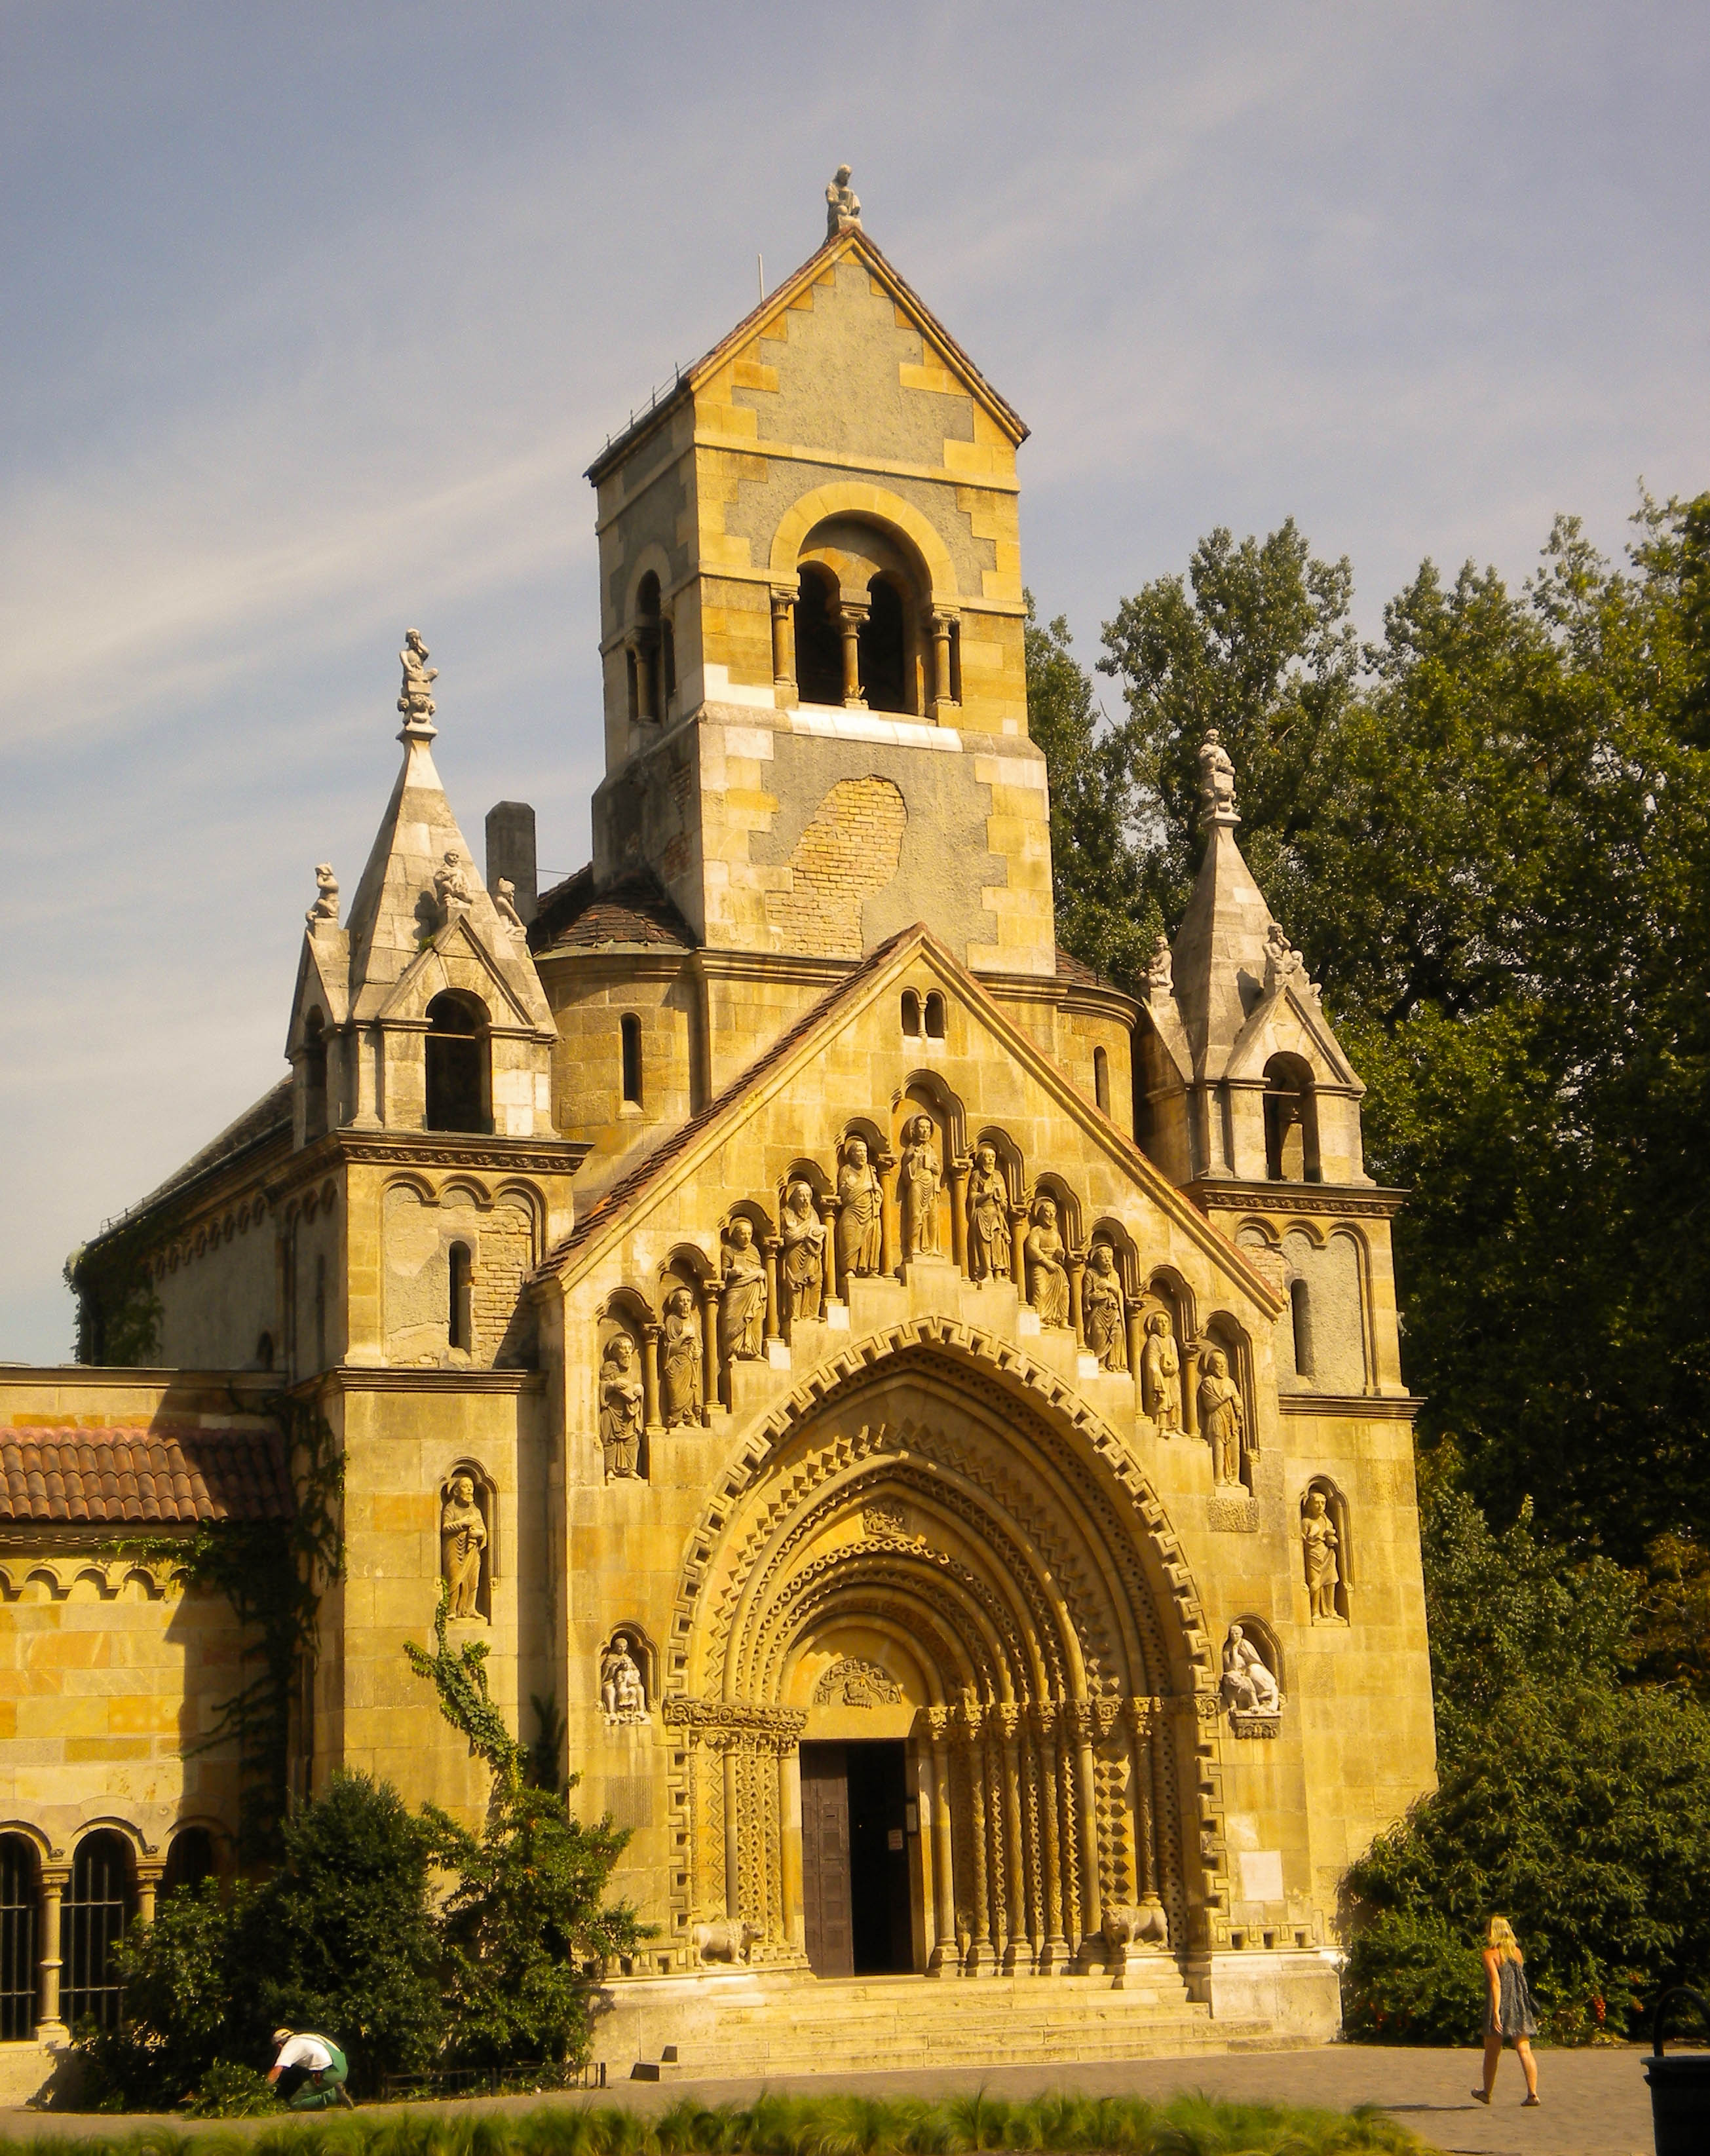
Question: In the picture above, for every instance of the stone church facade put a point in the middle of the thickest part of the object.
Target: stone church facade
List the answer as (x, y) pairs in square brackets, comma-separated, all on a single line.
[(930, 1425)]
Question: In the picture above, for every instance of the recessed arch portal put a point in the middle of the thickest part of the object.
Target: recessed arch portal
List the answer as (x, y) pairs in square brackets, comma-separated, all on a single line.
[(938, 1495)]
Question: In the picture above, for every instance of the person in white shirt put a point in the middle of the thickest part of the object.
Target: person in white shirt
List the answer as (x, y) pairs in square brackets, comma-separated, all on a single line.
[(309, 2071)]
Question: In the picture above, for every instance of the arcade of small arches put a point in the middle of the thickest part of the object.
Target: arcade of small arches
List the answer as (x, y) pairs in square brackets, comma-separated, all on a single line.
[(64, 1911)]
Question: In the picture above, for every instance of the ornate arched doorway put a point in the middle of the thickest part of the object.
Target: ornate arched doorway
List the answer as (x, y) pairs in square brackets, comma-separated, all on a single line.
[(934, 1548)]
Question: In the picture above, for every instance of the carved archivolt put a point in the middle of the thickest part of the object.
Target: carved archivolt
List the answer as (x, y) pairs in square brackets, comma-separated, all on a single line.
[(852, 1683)]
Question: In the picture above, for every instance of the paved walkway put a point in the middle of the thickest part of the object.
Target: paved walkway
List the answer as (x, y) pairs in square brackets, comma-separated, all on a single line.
[(1596, 2102)]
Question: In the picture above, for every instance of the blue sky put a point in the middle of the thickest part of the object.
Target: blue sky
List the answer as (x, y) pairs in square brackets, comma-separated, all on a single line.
[(314, 315)]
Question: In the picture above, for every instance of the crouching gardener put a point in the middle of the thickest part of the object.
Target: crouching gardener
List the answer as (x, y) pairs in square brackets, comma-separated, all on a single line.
[(309, 2071)]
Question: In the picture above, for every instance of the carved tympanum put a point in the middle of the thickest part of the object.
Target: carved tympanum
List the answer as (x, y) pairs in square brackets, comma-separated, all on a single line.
[(803, 1255), (623, 1691), (463, 1542), (742, 1296), (1102, 1309), (917, 1182), (620, 1407), (1161, 1374), (882, 1518), (987, 1218), (1047, 1276), (1222, 1417), (861, 1212), (680, 1360), (852, 1683)]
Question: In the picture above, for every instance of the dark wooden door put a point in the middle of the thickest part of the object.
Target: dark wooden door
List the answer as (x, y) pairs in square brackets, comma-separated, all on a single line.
[(825, 1897)]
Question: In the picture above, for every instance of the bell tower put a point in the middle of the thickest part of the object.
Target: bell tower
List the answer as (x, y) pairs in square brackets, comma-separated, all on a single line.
[(812, 634)]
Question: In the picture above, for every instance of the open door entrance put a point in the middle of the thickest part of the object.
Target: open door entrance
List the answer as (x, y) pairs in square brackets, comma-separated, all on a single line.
[(855, 1859)]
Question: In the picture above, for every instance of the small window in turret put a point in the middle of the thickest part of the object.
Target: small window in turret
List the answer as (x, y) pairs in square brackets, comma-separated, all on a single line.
[(884, 648), (457, 1077), (1102, 1079), (630, 1030), (910, 1015), (1291, 1122), (460, 1318), (935, 1016)]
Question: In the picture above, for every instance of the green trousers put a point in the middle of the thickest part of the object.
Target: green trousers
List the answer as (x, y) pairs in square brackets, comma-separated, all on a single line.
[(320, 2091)]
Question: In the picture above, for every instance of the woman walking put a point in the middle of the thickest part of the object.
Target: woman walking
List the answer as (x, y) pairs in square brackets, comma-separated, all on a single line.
[(1508, 2017)]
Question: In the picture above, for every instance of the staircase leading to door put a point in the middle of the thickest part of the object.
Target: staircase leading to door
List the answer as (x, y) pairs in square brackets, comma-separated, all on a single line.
[(755, 2027)]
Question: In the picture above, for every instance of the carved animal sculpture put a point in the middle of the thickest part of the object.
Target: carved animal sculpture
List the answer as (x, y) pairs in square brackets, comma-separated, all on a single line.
[(1126, 1925), (725, 1939)]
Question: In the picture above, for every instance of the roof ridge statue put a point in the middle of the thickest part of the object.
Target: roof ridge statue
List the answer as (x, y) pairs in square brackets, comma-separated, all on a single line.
[(843, 206), (416, 697)]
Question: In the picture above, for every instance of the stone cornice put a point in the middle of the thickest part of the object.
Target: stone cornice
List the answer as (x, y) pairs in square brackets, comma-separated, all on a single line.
[(1370, 1407), (361, 1377), (466, 1149), (1333, 1201)]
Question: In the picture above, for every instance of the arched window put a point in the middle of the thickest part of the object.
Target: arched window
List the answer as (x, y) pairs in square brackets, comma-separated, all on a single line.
[(460, 1320), (645, 650), (457, 1066), (1291, 1122), (264, 1352), (92, 1919), (1300, 1310), (884, 649), (19, 1889), (911, 1014), (935, 1016), (1102, 1079), (314, 1077), (629, 1026), (819, 638), (189, 1859)]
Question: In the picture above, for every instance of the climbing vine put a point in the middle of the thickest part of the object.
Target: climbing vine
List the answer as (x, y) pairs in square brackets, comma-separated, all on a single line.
[(459, 1677)]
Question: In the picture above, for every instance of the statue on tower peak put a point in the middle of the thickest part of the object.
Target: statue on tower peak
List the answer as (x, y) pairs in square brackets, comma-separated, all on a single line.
[(843, 206), (416, 699), (1217, 783)]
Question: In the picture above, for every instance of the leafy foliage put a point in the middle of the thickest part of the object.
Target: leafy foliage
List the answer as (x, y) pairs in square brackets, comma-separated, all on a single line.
[(459, 1675), (177, 1974)]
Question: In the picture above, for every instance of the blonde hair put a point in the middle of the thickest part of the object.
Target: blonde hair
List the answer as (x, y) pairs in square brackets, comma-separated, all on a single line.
[(1500, 1935)]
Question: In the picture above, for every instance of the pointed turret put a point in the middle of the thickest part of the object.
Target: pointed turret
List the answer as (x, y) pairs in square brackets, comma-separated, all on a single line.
[(1244, 1079)]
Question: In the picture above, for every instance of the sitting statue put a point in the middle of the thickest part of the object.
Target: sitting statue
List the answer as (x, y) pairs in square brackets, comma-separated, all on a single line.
[(416, 699), (451, 888), (505, 905), (1248, 1687), (843, 206), (326, 906), (622, 1693), (1284, 966)]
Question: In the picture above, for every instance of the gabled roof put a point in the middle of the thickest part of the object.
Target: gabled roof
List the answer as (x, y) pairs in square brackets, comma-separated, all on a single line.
[(755, 323), (633, 912), (861, 985), (109, 1477)]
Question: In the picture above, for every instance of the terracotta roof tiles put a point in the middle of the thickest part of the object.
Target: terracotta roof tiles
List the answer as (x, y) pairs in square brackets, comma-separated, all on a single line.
[(114, 1477), (573, 917)]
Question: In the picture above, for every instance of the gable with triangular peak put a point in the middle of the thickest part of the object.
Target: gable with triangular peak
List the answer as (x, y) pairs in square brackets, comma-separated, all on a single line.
[(457, 959), (1289, 1021), (848, 1064)]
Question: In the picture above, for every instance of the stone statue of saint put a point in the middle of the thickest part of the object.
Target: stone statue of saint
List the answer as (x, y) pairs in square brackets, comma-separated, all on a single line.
[(1222, 1418), (1102, 1309), (860, 1220), (620, 1407), (1217, 781), (505, 905), (1161, 1374), (1160, 970), (843, 207), (622, 1693), (451, 886), (1321, 1541), (1248, 1687), (918, 1186), (804, 1255), (987, 1218), (463, 1536), (1283, 964), (416, 699), (1047, 1277), (326, 906), (680, 1360), (741, 1298)]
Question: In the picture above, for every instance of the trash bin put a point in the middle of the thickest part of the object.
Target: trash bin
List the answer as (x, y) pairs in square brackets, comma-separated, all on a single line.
[(1679, 2086)]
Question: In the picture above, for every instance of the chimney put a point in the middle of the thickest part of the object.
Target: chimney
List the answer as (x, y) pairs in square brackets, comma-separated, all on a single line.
[(511, 852)]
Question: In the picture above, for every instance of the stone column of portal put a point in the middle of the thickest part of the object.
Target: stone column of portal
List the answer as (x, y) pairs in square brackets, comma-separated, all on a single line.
[(836, 1287), (851, 620), (882, 1167), (1077, 1268), (709, 1346), (649, 1380), (789, 1843), (1190, 1389), (1140, 1792), (50, 2029), (1135, 1308), (1018, 1945), (1054, 1956), (732, 1854), (774, 1314), (1019, 1224), (981, 1960), (960, 1170), (783, 643), (148, 1880), (1091, 1915), (943, 699), (943, 1954)]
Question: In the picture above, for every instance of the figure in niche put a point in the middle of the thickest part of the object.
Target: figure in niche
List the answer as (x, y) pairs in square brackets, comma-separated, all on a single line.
[(680, 1360), (1047, 1277), (918, 1185), (1248, 1687), (1321, 1541), (622, 1692), (1101, 1309), (326, 906), (987, 1218), (416, 702), (741, 1298), (803, 1255), (862, 1217), (451, 888), (1161, 1375), (1222, 1418), (1284, 966), (463, 1536), (505, 905), (620, 1407)]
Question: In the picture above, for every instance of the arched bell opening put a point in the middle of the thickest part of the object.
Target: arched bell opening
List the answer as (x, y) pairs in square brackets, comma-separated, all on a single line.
[(929, 1564)]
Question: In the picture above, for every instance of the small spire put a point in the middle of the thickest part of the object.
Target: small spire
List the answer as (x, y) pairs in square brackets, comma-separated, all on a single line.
[(1217, 786), (416, 699), (843, 206)]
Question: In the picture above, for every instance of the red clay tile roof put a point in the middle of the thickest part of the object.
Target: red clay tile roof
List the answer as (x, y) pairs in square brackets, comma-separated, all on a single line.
[(113, 1477), (573, 916), (1072, 969)]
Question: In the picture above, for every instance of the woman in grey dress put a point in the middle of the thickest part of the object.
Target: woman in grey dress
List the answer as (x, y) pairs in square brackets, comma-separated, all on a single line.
[(1509, 2017)]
